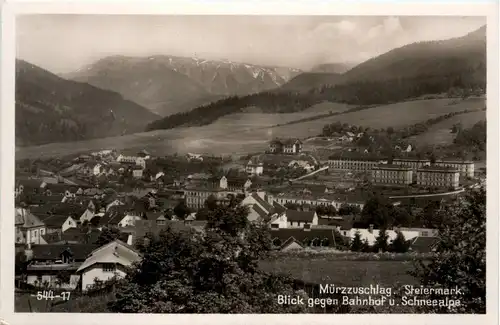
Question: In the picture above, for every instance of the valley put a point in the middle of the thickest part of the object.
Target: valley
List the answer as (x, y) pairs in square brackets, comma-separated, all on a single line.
[(243, 133)]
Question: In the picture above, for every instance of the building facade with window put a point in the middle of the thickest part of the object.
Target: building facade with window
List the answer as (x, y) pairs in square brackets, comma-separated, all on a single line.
[(465, 167), (352, 164), (106, 262), (392, 175), (435, 176)]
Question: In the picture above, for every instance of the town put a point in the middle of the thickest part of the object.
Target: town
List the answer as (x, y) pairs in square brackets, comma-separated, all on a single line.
[(78, 218)]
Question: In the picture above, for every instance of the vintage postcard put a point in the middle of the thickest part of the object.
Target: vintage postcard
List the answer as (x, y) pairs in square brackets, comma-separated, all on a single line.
[(181, 162)]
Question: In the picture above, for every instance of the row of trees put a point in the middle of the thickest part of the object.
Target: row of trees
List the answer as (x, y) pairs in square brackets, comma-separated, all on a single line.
[(382, 244)]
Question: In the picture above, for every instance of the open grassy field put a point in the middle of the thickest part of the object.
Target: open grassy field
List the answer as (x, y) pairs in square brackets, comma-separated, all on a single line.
[(245, 133), (343, 273), (440, 134)]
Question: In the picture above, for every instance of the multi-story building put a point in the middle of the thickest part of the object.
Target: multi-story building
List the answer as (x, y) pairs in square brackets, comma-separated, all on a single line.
[(355, 164), (437, 176), (465, 167), (334, 200), (392, 175), (196, 194)]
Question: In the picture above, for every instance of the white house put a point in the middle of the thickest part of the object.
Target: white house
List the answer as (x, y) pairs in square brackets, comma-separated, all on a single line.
[(29, 228), (295, 219), (107, 262), (97, 169)]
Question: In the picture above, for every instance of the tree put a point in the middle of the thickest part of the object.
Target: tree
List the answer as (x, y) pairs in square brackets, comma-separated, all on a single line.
[(108, 235), (377, 212), (381, 244), (401, 217), (356, 244), (211, 272), (460, 258), (211, 202), (181, 210), (347, 209), (399, 244)]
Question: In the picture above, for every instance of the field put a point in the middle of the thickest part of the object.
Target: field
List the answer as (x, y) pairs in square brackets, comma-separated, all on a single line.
[(343, 273), (440, 134), (245, 133)]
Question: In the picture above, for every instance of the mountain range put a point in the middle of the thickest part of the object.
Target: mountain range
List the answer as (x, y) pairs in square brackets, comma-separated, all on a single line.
[(168, 84), (52, 109), (407, 72)]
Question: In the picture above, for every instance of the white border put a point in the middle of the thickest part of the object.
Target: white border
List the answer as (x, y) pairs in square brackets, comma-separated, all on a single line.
[(7, 152)]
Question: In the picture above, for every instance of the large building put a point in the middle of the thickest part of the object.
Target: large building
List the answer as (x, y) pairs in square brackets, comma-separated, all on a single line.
[(197, 193), (316, 199), (437, 176), (392, 175), (288, 146), (465, 167), (354, 164)]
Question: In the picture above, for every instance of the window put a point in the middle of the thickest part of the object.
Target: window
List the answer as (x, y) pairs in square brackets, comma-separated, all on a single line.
[(108, 267)]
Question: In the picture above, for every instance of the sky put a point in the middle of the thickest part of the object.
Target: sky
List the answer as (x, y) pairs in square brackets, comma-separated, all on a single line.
[(65, 43)]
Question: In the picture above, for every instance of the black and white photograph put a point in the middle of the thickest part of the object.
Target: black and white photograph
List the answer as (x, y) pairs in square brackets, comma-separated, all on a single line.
[(250, 164)]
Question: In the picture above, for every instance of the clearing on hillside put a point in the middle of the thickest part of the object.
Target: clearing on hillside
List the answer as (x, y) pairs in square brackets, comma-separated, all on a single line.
[(440, 134)]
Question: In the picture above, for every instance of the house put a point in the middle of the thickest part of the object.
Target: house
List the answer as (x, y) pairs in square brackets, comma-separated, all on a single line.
[(194, 157), (254, 168), (106, 262), (97, 169), (57, 223), (294, 219), (48, 262), (29, 228), (288, 146), (301, 164)]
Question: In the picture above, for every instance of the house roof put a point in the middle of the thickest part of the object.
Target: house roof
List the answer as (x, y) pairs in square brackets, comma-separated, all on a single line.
[(424, 244), (54, 251), (290, 241), (114, 215), (278, 208), (284, 234), (114, 252), (302, 216), (263, 203), (153, 215), (26, 219), (53, 221)]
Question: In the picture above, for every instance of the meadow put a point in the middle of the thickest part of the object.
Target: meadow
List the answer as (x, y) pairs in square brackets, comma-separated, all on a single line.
[(440, 133), (244, 133)]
